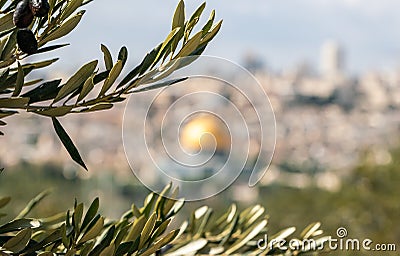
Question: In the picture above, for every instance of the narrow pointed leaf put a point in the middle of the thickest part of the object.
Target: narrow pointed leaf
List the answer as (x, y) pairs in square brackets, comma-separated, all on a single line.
[(191, 45), (9, 47), (194, 19), (209, 23), (108, 251), (54, 112), (87, 88), (310, 229), (142, 67), (64, 29), (160, 243), (19, 241), (51, 238), (6, 22), (4, 75), (166, 45), (67, 142), (114, 73), (212, 33), (250, 234), (43, 92), (14, 102), (41, 64), (100, 77), (76, 80), (29, 83), (71, 7), (50, 48), (98, 107), (136, 229), (179, 15), (107, 57), (86, 248), (77, 216), (19, 224), (123, 55), (147, 229), (19, 83), (91, 213), (160, 85), (104, 242), (93, 232)]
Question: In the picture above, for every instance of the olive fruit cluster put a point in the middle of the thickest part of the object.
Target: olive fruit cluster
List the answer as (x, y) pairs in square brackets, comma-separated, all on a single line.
[(24, 13)]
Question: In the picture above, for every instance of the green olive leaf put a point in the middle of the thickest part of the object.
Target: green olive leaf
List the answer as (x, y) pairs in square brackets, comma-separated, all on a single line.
[(191, 45), (50, 48), (98, 107), (87, 88), (19, 241), (107, 57), (123, 55), (54, 111), (6, 22), (75, 81), (114, 73), (108, 251), (209, 23), (19, 83), (9, 47), (212, 33), (179, 15), (136, 229), (246, 237), (64, 29), (67, 142), (71, 8), (19, 224), (93, 232), (194, 19), (91, 213), (147, 229), (14, 102), (166, 45)]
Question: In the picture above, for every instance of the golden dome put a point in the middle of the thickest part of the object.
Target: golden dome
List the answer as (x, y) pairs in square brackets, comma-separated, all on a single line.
[(205, 132)]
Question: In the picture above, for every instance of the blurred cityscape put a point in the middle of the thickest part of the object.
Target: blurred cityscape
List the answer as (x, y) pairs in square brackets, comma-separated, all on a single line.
[(325, 119)]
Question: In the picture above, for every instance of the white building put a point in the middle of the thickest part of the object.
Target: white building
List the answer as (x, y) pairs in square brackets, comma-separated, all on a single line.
[(332, 59)]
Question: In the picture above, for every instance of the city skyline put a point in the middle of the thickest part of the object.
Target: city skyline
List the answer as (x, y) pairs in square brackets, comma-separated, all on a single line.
[(283, 33)]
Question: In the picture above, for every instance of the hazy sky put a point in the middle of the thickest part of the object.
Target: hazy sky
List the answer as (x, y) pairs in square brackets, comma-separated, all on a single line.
[(283, 32)]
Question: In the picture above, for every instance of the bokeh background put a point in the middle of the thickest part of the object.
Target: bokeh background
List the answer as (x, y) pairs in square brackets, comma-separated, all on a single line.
[(331, 70)]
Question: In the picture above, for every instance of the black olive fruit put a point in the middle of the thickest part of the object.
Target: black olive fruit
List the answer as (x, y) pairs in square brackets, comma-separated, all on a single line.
[(23, 15), (39, 8), (26, 41)]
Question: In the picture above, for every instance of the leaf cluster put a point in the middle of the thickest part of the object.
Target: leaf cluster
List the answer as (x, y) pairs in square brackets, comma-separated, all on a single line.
[(91, 87), (142, 230)]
